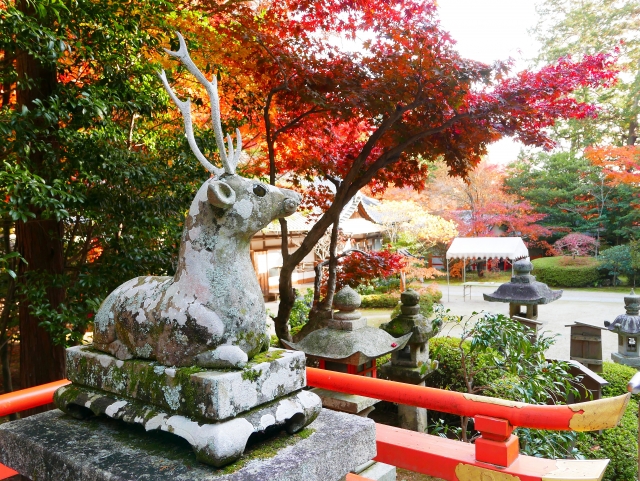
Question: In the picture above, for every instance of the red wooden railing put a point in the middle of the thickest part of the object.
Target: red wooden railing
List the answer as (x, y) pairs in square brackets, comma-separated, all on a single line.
[(495, 453)]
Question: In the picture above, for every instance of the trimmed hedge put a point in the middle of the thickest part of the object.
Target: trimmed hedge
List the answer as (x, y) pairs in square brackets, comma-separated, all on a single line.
[(617, 375), (371, 301), (619, 444), (428, 296), (566, 271)]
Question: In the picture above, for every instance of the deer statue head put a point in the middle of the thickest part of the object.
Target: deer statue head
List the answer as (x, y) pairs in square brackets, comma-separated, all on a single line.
[(211, 313)]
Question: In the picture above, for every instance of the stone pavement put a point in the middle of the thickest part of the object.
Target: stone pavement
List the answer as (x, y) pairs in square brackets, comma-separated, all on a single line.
[(590, 307)]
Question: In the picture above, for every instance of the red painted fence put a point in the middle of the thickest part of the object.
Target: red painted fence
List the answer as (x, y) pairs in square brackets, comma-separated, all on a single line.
[(494, 456)]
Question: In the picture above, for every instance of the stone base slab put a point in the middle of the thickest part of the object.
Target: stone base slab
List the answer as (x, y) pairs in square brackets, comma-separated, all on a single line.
[(55, 447), (408, 375), (347, 403), (218, 443), (376, 471), (626, 360), (191, 391)]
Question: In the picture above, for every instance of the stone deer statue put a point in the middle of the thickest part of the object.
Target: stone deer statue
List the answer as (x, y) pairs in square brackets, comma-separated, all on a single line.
[(211, 313)]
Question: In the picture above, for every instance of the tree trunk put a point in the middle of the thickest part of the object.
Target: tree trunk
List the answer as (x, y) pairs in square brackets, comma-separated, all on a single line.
[(287, 299), (327, 302), (39, 240), (632, 135), (4, 338), (7, 382)]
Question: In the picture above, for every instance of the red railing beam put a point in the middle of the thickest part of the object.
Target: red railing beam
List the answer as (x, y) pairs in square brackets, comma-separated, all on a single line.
[(587, 416), (6, 472), (455, 461), (32, 397)]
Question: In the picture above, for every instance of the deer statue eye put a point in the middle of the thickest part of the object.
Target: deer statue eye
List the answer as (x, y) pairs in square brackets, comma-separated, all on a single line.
[(259, 190)]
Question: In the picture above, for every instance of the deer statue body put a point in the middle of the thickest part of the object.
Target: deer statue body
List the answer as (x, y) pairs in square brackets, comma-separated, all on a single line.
[(211, 313)]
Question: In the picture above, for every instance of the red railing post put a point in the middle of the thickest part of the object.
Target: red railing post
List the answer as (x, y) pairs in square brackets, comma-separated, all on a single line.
[(496, 445)]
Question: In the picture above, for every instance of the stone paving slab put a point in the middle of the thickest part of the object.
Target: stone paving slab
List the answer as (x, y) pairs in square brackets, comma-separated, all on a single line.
[(203, 394), (347, 403), (55, 447)]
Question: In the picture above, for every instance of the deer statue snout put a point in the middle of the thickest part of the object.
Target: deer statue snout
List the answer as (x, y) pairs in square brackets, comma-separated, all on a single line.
[(291, 205)]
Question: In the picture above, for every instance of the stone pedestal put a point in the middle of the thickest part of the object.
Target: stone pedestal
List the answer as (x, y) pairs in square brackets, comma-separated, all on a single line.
[(53, 446), (412, 418), (215, 411)]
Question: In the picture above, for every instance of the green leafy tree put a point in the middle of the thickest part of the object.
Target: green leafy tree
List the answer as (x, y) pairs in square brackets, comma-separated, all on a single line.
[(575, 196), (585, 27), (95, 178), (618, 260)]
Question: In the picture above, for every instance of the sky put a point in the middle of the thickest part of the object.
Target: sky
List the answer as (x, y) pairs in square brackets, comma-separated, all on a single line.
[(488, 30)]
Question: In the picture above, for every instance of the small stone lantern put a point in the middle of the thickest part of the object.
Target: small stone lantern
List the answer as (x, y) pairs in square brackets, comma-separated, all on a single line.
[(348, 345), (628, 328), (411, 364), (524, 294)]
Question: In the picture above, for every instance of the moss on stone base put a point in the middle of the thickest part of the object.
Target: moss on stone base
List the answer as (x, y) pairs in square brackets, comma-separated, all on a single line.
[(267, 448)]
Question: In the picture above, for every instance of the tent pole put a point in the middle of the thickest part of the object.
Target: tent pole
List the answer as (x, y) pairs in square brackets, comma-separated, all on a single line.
[(464, 270), (448, 297)]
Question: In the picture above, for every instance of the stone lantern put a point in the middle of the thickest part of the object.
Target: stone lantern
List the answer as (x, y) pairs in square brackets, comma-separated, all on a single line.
[(628, 328), (410, 364), (524, 294), (348, 345)]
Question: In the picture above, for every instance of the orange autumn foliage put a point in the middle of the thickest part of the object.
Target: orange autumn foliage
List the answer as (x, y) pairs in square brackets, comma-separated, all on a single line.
[(621, 165)]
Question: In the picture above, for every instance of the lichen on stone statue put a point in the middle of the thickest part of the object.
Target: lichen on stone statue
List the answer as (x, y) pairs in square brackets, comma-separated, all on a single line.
[(211, 313)]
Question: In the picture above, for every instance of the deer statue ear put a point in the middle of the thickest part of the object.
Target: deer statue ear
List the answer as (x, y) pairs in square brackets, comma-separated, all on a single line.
[(220, 194)]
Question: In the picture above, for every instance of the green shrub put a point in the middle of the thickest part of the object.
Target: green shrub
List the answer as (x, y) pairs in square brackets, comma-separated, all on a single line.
[(372, 301), (502, 362), (449, 372), (617, 375), (567, 271), (382, 360), (619, 444)]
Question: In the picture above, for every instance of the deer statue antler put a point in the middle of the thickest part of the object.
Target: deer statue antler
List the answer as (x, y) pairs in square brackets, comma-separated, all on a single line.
[(230, 159)]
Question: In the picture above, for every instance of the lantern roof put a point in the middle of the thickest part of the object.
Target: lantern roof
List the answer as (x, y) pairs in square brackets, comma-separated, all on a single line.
[(628, 323), (523, 288)]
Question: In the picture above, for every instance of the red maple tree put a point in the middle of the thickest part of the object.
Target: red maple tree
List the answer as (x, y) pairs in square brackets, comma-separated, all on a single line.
[(370, 115), (358, 268)]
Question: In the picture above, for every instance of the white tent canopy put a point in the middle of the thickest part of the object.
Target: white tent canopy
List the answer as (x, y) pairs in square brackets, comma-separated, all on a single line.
[(487, 248)]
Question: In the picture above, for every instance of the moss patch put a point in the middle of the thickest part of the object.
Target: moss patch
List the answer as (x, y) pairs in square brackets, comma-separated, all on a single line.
[(267, 356), (267, 447), (251, 375)]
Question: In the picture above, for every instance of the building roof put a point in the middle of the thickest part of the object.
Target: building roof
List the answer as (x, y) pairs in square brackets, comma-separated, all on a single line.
[(359, 226), (487, 248), (360, 203)]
